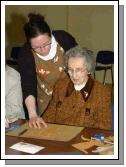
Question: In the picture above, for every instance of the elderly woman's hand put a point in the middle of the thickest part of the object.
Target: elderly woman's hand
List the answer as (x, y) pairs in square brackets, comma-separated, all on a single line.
[(36, 122)]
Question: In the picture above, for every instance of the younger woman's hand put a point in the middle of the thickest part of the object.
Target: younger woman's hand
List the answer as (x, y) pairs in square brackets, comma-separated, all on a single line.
[(36, 122)]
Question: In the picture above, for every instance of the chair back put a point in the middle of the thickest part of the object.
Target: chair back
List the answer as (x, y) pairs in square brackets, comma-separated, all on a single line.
[(15, 52), (105, 57), (13, 61)]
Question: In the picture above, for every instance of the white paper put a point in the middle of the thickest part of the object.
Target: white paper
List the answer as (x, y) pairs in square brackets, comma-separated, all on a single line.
[(26, 147)]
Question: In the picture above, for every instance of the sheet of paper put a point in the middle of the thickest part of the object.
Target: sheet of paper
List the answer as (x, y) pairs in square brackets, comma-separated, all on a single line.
[(104, 150), (52, 132), (27, 147)]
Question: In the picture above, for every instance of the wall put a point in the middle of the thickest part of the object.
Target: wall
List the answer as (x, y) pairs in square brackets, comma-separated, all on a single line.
[(92, 25)]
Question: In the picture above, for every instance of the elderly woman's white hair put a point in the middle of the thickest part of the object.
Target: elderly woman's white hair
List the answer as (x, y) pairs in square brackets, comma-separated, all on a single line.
[(83, 52)]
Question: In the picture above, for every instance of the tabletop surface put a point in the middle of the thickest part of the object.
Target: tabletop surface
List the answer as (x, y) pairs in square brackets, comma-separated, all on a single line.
[(54, 147)]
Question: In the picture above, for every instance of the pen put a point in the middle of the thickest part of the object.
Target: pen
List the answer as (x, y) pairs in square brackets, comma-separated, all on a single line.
[(109, 142), (22, 132)]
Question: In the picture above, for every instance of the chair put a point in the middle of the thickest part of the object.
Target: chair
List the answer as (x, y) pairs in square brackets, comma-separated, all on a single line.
[(13, 57), (104, 61)]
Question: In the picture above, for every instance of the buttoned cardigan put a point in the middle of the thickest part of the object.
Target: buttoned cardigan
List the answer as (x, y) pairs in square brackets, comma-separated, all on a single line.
[(90, 107)]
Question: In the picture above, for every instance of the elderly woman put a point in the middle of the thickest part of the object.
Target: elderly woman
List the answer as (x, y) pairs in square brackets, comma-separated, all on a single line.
[(79, 99)]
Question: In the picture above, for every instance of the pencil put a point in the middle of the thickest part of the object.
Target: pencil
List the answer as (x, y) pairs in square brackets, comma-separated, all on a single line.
[(22, 132)]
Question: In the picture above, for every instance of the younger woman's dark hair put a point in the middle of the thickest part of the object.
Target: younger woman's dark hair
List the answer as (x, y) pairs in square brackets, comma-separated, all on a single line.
[(36, 26)]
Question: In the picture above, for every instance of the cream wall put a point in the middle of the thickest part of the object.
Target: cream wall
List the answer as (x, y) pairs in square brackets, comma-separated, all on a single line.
[(92, 25)]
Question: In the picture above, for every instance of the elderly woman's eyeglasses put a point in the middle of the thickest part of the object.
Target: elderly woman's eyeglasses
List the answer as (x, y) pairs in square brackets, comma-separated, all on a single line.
[(78, 71), (43, 46)]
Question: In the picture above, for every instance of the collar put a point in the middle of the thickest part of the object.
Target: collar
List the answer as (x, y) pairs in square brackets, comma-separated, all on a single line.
[(79, 87), (52, 51), (86, 91)]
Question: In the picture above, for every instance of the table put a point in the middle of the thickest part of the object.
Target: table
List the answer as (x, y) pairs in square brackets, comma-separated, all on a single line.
[(53, 147)]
